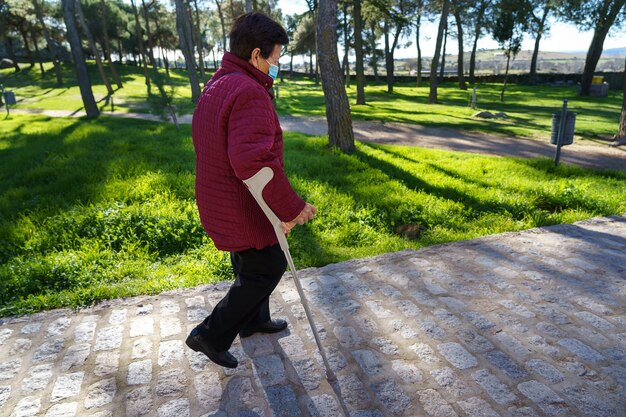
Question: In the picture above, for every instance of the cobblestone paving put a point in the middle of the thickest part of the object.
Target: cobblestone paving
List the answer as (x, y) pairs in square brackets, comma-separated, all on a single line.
[(519, 324)]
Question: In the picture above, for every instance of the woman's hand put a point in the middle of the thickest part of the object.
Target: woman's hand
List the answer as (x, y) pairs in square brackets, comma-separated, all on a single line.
[(306, 215)]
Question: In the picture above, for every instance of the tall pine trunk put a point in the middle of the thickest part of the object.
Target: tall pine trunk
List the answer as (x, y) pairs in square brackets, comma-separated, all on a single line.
[(92, 46), (432, 97), (142, 51), (73, 38), (477, 29), (540, 29), (185, 35), (340, 133), (148, 34), (199, 42), (621, 132), (346, 45), (220, 13), (9, 45), (459, 29), (597, 43), (443, 54), (51, 49), (358, 50), (38, 53), (418, 25), (107, 46), (388, 58), (506, 74)]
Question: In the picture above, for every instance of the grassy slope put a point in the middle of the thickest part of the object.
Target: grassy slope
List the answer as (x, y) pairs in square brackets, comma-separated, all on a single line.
[(529, 108), (105, 208)]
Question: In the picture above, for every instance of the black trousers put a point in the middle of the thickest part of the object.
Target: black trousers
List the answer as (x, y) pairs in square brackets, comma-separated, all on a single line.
[(257, 273)]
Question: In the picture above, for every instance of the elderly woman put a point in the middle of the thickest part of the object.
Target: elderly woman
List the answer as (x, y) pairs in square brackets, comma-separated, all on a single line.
[(235, 133)]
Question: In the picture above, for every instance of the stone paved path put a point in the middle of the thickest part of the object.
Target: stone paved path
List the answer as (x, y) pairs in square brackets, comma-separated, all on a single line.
[(585, 154), (519, 324)]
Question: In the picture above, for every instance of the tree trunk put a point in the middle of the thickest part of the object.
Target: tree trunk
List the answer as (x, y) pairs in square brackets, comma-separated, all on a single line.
[(621, 133), (477, 30), (38, 53), (183, 26), (418, 25), (163, 52), (374, 60), (595, 49), (388, 58), (79, 59), (9, 45), (506, 74), (199, 42), (139, 36), (540, 29), (148, 33), (346, 45), (218, 4), (107, 46), (432, 97), (50, 46), (92, 46), (311, 64), (459, 29), (358, 50), (443, 54), (249, 6), (340, 133), (29, 54)]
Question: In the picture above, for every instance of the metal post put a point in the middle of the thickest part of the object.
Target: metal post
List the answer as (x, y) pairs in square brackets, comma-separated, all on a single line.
[(559, 139)]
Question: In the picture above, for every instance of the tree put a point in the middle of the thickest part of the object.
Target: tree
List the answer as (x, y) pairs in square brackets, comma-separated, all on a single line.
[(107, 46), (52, 50), (358, 50), (457, 7), (395, 17), (539, 26), (199, 39), (92, 46), (185, 35), (599, 15), (340, 133), (79, 59), (620, 137), (139, 36), (419, 12), (432, 97), (508, 30), (478, 14)]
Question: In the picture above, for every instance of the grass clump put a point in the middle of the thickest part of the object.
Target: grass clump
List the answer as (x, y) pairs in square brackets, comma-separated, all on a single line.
[(98, 209)]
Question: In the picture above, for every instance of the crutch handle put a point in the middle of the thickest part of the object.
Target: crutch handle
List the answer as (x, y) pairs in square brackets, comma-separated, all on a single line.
[(256, 184)]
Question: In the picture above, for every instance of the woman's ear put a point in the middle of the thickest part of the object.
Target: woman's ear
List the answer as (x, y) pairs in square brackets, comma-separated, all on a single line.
[(254, 57)]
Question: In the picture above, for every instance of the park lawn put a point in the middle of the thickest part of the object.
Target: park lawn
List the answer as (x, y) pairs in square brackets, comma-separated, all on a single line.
[(529, 108), (99, 209), (34, 92)]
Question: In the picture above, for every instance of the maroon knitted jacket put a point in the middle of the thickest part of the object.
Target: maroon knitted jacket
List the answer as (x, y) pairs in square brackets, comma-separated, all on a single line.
[(236, 132)]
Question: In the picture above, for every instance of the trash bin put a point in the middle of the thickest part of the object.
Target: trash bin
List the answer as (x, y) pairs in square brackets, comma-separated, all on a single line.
[(568, 134), (9, 97)]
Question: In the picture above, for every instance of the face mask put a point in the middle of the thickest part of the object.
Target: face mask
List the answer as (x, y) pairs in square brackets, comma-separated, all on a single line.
[(273, 70)]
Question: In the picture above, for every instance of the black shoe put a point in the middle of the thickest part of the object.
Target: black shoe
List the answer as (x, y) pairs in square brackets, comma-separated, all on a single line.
[(197, 343), (272, 326)]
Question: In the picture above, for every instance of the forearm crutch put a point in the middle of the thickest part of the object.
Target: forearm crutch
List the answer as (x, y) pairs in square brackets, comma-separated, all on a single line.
[(256, 184)]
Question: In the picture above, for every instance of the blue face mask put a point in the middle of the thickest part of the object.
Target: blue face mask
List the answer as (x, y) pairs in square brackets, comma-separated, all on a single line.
[(273, 70)]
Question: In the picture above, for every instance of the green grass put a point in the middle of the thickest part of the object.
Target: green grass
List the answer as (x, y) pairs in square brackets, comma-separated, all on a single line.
[(97, 209), (529, 108), (36, 92)]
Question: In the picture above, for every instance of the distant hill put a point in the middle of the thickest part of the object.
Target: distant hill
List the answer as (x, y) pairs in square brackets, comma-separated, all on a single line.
[(615, 51)]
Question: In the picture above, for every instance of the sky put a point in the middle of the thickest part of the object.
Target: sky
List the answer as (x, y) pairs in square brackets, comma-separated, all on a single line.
[(562, 37)]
